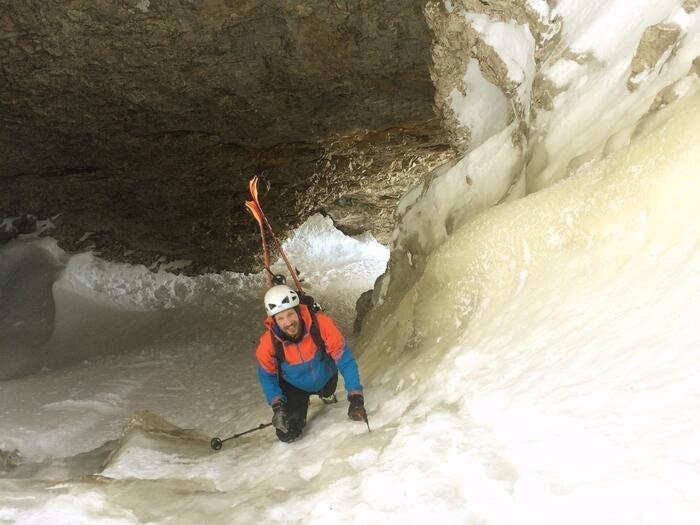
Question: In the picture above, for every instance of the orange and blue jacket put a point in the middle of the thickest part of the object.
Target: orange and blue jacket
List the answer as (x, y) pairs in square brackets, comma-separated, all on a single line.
[(304, 367)]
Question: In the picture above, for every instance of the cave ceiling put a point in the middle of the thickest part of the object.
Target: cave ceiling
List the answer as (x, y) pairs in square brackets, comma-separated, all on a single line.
[(136, 125)]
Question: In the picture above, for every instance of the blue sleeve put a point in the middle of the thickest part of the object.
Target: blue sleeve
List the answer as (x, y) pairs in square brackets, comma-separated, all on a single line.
[(348, 367), (270, 385)]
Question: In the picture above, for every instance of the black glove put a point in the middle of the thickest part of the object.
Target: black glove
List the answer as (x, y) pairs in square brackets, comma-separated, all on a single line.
[(356, 410), (279, 416)]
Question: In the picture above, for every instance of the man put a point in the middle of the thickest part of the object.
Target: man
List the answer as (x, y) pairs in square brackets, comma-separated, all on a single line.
[(300, 355)]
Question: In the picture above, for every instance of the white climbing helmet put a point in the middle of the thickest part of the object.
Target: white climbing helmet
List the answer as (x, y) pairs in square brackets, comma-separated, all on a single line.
[(280, 298)]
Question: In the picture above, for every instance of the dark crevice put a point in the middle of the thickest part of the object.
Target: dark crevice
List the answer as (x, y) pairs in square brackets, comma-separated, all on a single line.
[(58, 172)]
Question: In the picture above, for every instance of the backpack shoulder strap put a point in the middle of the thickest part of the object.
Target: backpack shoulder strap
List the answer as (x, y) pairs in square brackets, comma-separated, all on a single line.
[(315, 332), (279, 353)]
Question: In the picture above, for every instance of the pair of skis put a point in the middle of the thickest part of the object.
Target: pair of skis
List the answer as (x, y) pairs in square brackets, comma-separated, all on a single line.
[(256, 211)]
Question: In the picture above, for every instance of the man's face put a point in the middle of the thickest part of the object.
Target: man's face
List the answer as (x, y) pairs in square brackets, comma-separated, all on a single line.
[(289, 322)]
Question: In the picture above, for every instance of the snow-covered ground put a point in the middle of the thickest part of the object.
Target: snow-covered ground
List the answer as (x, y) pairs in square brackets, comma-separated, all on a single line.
[(181, 348), (542, 370), (539, 365), (142, 340)]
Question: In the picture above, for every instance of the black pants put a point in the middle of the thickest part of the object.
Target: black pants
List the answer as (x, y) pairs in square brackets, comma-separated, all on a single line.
[(298, 406)]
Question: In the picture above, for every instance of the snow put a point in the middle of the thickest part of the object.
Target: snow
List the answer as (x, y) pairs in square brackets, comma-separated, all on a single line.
[(595, 27), (542, 370), (577, 369), (539, 366), (143, 5), (563, 72), (456, 192), (597, 103), (513, 42), (483, 109), (541, 8), (515, 46), (151, 326), (479, 105)]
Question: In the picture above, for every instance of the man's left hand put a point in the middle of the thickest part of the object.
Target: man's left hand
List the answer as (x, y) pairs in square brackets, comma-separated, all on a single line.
[(356, 410)]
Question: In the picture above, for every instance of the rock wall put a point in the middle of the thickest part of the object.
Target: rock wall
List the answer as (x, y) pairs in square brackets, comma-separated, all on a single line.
[(139, 123), (529, 92), (136, 125)]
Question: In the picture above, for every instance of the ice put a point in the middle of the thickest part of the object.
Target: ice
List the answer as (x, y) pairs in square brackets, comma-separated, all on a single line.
[(595, 27), (137, 338), (597, 103), (537, 362), (483, 109), (451, 196), (542, 9), (27, 274), (515, 45), (582, 378)]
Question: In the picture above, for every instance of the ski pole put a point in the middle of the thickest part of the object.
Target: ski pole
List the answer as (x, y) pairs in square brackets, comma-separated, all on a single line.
[(364, 416), (217, 443)]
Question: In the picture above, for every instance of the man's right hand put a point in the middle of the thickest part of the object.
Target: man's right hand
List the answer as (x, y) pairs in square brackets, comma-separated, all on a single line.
[(279, 416)]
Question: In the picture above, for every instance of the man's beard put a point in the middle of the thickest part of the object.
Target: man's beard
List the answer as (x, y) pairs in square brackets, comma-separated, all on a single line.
[(297, 335)]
